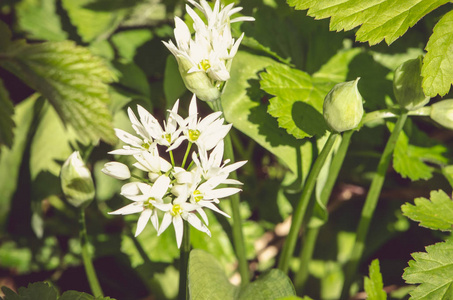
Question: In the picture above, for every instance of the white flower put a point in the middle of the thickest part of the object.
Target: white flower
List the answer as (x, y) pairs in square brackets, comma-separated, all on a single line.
[(205, 133), (152, 163), (177, 212), (135, 145), (144, 203), (212, 166), (116, 170)]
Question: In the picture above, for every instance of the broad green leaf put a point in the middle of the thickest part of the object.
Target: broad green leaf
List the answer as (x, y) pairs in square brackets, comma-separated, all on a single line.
[(379, 19), (435, 213), (207, 279), (37, 290), (433, 270), (72, 79), (437, 69), (173, 85), (6, 114), (242, 106), (447, 171), (410, 160), (5, 36), (11, 159), (273, 284), (96, 20), (298, 102), (374, 284), (132, 79), (40, 20), (127, 42)]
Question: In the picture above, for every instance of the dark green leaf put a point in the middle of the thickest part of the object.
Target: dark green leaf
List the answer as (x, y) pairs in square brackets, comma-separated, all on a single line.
[(40, 20), (380, 19), (127, 42), (273, 284), (37, 290), (6, 114), (173, 85), (437, 70), (374, 284), (72, 79), (435, 213), (433, 270), (5, 36)]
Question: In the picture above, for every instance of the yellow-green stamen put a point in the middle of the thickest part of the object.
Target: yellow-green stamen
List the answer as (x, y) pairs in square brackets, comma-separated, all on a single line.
[(194, 135), (176, 210), (167, 136), (146, 145), (197, 196), (204, 64), (148, 203)]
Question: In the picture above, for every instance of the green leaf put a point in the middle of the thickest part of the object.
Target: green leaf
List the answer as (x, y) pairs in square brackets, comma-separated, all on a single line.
[(433, 270), (207, 279), (40, 20), (435, 213), (379, 19), (273, 284), (437, 69), (298, 102), (96, 20), (37, 290), (173, 85), (72, 79), (6, 121), (241, 103), (127, 42), (374, 284), (5, 36)]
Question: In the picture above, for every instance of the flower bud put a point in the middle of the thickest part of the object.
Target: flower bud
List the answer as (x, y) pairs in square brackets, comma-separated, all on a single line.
[(343, 108), (442, 113), (198, 83), (76, 181), (116, 170), (407, 85)]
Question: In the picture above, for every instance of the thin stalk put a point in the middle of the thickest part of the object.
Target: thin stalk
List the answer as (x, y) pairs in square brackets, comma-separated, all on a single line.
[(86, 257), (370, 205), (186, 155), (312, 233), (238, 236), (172, 158), (184, 263), (298, 216)]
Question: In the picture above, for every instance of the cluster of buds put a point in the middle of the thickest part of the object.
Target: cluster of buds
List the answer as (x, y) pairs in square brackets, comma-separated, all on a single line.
[(205, 60), (168, 192)]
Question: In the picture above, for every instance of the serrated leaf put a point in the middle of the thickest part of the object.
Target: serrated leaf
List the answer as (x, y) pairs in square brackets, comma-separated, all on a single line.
[(6, 120), (72, 79), (96, 20), (378, 19), (298, 102), (433, 270), (435, 213), (374, 284), (437, 69), (40, 20), (37, 290)]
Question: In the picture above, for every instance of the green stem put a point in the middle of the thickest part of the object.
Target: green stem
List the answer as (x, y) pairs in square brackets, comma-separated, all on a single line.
[(370, 205), (184, 263), (186, 155), (238, 236), (172, 158), (298, 216), (312, 233), (86, 257)]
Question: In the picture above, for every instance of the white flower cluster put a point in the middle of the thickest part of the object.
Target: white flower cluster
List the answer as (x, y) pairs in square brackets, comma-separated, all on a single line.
[(212, 49), (177, 193)]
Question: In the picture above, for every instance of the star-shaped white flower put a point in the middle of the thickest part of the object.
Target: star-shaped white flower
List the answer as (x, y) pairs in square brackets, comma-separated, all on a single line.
[(152, 163), (144, 202)]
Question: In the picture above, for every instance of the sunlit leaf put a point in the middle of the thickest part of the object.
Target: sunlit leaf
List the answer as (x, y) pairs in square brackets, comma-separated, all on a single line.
[(433, 270), (273, 284), (6, 114), (378, 19), (72, 79), (374, 284), (435, 213), (127, 42), (437, 69)]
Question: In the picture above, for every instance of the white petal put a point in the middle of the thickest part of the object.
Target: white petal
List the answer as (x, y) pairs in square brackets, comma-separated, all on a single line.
[(214, 208), (116, 170), (131, 151), (130, 189), (196, 223), (243, 18), (179, 229), (166, 221), (128, 138), (193, 106), (160, 187), (143, 220), (128, 209), (220, 193), (155, 220), (203, 215), (182, 33)]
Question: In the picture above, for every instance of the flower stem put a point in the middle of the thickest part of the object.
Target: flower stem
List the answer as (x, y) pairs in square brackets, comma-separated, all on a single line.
[(172, 158), (184, 263), (86, 257), (186, 155), (312, 233), (298, 216), (370, 205), (238, 236)]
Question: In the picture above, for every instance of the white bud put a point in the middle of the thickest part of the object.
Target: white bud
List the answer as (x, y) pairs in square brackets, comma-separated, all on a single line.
[(116, 170)]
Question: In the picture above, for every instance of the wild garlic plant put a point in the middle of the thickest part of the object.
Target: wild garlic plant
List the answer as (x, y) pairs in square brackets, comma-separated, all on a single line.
[(167, 193)]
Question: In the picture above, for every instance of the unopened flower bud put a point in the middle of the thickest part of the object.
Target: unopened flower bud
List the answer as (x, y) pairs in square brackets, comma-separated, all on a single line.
[(198, 83), (116, 170), (442, 113), (407, 85), (343, 107), (76, 181)]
